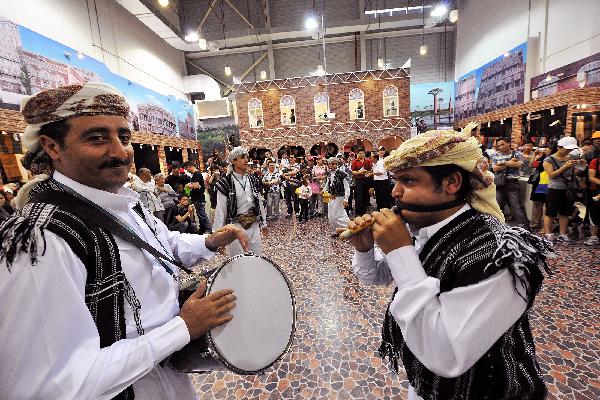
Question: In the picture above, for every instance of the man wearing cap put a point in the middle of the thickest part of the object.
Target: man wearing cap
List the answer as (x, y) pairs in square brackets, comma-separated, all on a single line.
[(338, 188), (464, 280), (86, 314), (239, 202)]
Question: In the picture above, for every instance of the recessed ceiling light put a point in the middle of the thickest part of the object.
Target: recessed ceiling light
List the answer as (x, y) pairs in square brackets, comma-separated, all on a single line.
[(439, 11), (192, 37)]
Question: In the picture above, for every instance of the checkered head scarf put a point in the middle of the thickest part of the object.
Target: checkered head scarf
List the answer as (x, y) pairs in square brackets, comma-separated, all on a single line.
[(235, 153), (91, 98), (53, 105), (434, 148)]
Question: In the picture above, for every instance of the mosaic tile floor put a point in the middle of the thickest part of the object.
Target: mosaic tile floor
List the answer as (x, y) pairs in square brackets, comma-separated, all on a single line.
[(334, 355)]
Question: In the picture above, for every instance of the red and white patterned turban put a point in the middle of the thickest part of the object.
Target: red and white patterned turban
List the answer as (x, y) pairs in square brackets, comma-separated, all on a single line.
[(91, 98), (434, 148)]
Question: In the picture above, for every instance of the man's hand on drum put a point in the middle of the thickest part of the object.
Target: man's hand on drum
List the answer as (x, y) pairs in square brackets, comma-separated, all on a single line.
[(201, 314), (362, 240), (226, 235), (390, 231)]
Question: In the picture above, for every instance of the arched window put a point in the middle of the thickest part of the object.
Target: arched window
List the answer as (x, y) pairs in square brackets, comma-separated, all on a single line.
[(357, 104), (287, 106), (390, 102), (321, 103), (255, 113)]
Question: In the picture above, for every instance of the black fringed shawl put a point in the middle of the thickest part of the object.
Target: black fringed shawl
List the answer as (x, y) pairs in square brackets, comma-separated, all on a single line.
[(106, 286), (472, 248), (226, 186), (336, 183)]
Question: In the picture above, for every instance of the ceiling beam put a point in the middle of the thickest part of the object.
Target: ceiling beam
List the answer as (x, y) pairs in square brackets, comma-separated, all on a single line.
[(241, 37), (267, 14), (312, 42), (207, 13), (228, 86), (250, 68), (239, 13)]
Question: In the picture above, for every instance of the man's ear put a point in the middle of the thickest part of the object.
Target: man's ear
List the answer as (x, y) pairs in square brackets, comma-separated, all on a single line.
[(453, 183), (51, 147)]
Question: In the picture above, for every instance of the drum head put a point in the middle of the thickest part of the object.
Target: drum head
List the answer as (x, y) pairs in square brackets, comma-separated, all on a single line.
[(263, 321)]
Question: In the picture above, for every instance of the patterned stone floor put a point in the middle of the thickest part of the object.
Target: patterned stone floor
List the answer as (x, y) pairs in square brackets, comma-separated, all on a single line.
[(334, 355)]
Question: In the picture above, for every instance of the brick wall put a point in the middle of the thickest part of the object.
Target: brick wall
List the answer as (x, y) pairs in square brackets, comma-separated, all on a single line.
[(568, 98), (12, 121), (307, 132)]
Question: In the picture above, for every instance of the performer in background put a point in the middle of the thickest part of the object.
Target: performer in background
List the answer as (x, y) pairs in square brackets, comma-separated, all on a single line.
[(239, 202), (458, 319), (339, 189), (85, 314)]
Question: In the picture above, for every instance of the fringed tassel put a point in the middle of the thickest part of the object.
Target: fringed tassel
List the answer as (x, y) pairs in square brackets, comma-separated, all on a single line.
[(524, 254), (387, 350), (19, 234), (388, 346)]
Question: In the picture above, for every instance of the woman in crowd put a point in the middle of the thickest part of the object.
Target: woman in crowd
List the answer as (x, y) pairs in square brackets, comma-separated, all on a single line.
[(559, 167), (538, 193), (381, 183), (319, 172)]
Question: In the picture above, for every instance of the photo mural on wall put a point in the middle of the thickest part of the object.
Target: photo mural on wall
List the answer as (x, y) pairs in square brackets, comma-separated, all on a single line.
[(30, 63), (579, 74), (498, 84), (431, 104)]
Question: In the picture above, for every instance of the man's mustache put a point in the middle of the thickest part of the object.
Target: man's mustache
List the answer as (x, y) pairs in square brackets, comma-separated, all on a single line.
[(115, 163)]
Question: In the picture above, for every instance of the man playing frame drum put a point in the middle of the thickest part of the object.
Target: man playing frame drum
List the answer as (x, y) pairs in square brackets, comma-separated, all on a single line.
[(458, 319), (85, 314)]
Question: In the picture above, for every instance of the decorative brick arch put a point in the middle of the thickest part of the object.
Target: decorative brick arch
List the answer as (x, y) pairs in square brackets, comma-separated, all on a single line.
[(391, 142), (338, 133)]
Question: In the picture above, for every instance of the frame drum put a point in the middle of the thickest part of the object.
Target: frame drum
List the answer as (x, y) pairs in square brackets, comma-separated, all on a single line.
[(263, 324)]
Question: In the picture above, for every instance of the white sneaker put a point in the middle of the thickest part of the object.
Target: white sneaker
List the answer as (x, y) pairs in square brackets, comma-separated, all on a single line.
[(549, 237), (564, 239), (592, 241)]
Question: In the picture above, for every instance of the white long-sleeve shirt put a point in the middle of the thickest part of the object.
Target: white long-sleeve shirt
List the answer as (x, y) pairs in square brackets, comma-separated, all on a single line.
[(380, 170), (448, 332), (49, 344)]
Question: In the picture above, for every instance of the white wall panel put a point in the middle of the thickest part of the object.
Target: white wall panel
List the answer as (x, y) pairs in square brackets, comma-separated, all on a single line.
[(487, 28)]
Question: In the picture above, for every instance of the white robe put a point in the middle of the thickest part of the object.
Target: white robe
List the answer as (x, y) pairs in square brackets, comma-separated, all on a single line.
[(336, 214)]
